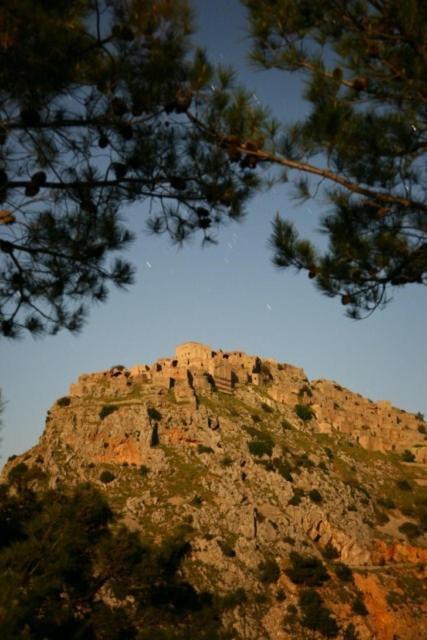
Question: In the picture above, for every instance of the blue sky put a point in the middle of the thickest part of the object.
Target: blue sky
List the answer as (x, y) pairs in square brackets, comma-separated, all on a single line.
[(229, 296)]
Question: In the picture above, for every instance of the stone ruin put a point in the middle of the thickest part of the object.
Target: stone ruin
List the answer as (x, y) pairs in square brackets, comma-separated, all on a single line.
[(198, 369)]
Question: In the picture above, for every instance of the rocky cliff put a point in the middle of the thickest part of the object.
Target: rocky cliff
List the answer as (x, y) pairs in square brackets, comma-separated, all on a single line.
[(273, 478)]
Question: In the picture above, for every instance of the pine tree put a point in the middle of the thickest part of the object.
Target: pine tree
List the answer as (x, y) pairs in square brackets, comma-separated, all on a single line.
[(94, 115), (362, 145)]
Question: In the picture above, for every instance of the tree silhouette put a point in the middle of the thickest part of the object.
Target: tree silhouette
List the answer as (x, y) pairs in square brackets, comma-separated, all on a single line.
[(104, 103), (94, 100), (362, 146)]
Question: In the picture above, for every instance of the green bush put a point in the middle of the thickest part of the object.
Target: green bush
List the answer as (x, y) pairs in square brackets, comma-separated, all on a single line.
[(298, 494), (269, 571), (144, 470), (256, 418), (267, 464), (201, 448), (408, 456), (107, 409), (17, 472), (304, 461), (381, 517), (315, 615), (387, 503), (422, 429), (343, 572), (350, 632), (226, 461), (304, 412), (307, 570), (421, 513), (315, 496), (330, 552), (64, 401), (266, 407), (305, 390), (153, 414), (359, 607), (154, 438), (283, 468), (403, 485), (410, 530), (226, 549), (234, 598), (261, 447), (197, 501), (286, 425), (106, 477)]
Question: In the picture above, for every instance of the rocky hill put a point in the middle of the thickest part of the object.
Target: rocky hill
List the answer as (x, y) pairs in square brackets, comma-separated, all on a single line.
[(304, 504)]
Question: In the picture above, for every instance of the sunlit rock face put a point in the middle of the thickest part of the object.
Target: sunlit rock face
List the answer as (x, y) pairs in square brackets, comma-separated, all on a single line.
[(256, 462)]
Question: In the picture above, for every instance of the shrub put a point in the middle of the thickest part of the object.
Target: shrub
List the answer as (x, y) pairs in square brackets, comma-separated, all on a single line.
[(304, 461), (266, 407), (280, 595), (359, 607), (269, 571), (201, 448), (154, 438), (283, 468), (17, 472), (197, 501), (420, 416), (261, 447), (106, 477), (408, 456), (234, 598), (64, 401), (329, 453), (305, 390), (315, 496), (350, 632), (307, 570), (422, 429), (291, 615), (267, 464), (421, 514), (226, 461), (315, 615), (329, 552), (144, 470), (260, 598), (286, 425), (304, 412), (298, 494), (410, 530), (343, 572), (118, 367), (107, 409), (382, 517), (226, 549), (387, 503), (256, 418), (403, 485), (153, 414)]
